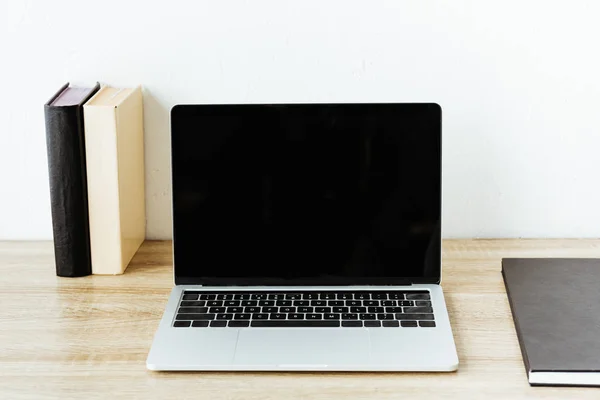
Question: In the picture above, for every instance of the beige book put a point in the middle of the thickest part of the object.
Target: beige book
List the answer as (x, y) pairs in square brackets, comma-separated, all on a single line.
[(114, 144)]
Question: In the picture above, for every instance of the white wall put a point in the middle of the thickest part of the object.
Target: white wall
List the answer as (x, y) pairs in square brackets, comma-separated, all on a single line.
[(518, 81)]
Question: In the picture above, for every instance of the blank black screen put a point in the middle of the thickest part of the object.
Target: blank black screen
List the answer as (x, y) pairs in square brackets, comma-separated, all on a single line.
[(306, 194)]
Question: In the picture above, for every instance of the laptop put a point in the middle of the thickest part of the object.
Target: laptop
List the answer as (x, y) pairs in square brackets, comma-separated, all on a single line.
[(306, 237)]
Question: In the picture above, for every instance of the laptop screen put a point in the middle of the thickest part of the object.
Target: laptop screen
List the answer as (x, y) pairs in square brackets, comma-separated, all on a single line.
[(306, 194)]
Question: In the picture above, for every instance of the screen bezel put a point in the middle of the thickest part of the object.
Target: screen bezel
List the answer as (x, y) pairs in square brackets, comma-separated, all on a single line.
[(185, 110)]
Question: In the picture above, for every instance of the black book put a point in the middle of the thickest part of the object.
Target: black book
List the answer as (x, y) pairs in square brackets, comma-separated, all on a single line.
[(555, 304), (68, 186)]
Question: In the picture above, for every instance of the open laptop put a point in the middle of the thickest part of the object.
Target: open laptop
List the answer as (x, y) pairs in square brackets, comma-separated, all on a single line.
[(306, 237)]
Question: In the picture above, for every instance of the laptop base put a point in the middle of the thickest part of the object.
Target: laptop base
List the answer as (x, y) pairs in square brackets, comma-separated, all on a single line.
[(402, 348)]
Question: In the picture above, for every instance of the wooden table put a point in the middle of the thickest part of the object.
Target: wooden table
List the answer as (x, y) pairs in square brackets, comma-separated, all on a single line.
[(88, 338)]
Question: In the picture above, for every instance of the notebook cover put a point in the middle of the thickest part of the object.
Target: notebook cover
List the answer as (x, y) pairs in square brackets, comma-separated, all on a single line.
[(68, 190), (555, 303)]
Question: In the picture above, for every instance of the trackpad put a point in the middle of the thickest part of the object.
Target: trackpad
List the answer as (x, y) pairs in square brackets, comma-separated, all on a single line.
[(302, 348)]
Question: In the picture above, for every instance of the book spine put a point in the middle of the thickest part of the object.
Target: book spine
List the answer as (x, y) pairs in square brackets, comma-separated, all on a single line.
[(516, 322), (68, 190), (103, 190)]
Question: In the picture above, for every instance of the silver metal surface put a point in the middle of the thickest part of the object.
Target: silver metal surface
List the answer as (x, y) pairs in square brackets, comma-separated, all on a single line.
[(304, 349)]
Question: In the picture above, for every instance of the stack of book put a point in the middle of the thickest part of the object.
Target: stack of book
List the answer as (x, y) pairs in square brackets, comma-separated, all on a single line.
[(95, 141)]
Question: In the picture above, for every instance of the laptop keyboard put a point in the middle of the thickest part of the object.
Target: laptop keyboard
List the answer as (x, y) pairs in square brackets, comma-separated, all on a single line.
[(385, 309)]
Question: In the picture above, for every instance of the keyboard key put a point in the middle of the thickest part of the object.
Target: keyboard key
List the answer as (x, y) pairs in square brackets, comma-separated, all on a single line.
[(208, 296), (331, 316), (305, 309), (385, 316), (270, 309), (241, 316), (352, 324), (428, 317), (393, 310), (193, 303), (362, 296), (245, 296), (231, 303), (336, 303), (318, 303), (235, 309), (276, 296), (358, 309), (413, 296), (192, 310), (372, 324), (328, 296), (371, 303), (224, 316), (310, 296), (353, 303), (396, 296), (322, 309), (368, 316), (238, 324), (295, 324), (293, 296), (423, 303), (200, 324), (258, 296), (214, 303), (278, 316), (389, 303), (345, 296), (266, 303), (249, 303), (379, 296), (225, 297), (314, 316), (260, 316), (217, 310), (218, 324), (349, 316), (182, 324), (190, 297), (340, 309), (251, 310), (408, 324), (415, 310), (189, 317), (375, 309), (406, 303), (427, 324), (295, 316), (287, 309), (302, 303), (390, 324), (283, 303)]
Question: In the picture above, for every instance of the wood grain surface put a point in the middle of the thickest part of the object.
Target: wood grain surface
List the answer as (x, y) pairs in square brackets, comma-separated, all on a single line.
[(88, 338)]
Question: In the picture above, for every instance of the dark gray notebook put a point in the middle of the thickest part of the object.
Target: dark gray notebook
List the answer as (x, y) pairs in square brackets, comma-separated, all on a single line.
[(556, 308)]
